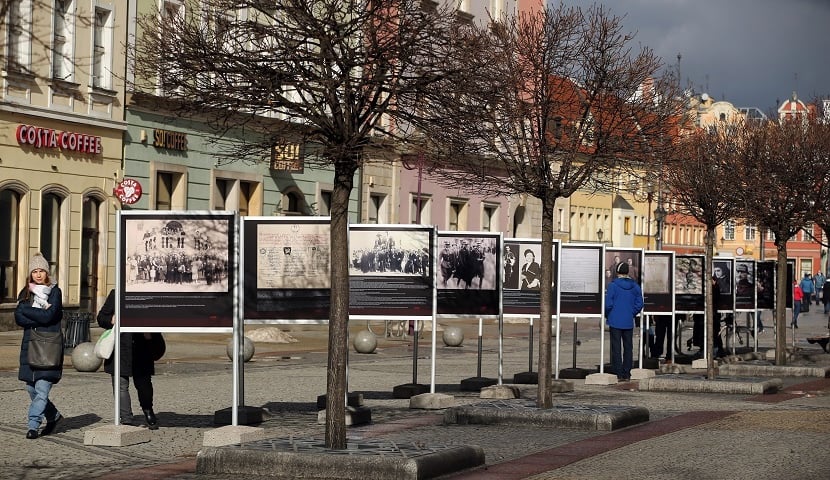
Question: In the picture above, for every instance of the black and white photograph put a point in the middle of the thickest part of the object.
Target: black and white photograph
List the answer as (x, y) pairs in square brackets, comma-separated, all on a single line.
[(631, 257), (510, 259), (722, 274), (467, 262), (688, 275), (395, 252), (176, 255)]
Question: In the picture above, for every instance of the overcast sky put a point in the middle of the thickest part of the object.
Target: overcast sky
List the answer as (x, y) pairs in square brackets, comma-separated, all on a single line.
[(747, 52)]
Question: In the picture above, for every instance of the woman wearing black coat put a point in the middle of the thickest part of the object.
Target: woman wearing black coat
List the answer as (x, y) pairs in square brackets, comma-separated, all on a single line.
[(45, 318), (138, 353)]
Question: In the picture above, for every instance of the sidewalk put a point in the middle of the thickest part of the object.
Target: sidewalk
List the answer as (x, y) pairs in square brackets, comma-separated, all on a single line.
[(689, 436)]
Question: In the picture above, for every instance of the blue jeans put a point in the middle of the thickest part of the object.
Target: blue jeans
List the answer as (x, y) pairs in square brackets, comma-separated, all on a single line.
[(41, 407), (621, 364), (796, 311)]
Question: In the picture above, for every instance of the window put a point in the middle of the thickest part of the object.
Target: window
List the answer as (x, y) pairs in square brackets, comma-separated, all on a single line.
[(172, 11), (457, 215), (324, 205), (50, 229), (489, 220), (89, 252), (293, 203), (19, 35), (376, 208), (102, 48), (9, 222), (749, 232), (729, 230), (170, 194), (627, 226), (425, 204), (234, 194), (62, 40)]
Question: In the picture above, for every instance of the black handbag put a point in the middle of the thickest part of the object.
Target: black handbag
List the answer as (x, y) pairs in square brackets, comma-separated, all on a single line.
[(45, 350)]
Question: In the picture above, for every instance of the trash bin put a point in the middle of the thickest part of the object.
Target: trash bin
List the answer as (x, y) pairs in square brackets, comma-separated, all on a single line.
[(76, 328)]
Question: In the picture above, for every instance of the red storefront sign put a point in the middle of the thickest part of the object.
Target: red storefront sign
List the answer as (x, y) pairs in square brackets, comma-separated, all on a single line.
[(128, 191), (39, 137)]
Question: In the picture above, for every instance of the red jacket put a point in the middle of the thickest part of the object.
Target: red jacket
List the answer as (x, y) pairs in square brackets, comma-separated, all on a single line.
[(798, 294)]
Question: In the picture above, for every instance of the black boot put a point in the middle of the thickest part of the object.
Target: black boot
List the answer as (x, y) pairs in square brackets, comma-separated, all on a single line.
[(151, 419)]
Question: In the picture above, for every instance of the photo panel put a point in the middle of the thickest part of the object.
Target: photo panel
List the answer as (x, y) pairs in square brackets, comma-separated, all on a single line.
[(522, 264), (581, 279), (658, 282), (745, 285), (689, 281), (178, 269), (469, 273), (287, 268)]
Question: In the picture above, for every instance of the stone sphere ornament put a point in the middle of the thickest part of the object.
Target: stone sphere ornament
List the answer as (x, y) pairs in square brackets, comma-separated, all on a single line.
[(247, 349), (84, 358), (365, 342), (453, 336)]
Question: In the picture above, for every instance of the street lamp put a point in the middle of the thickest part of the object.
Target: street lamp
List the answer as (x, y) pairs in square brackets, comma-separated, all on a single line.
[(650, 190), (660, 215), (599, 235)]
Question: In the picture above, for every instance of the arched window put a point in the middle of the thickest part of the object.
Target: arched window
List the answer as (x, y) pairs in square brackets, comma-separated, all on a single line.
[(9, 231), (50, 229), (91, 224)]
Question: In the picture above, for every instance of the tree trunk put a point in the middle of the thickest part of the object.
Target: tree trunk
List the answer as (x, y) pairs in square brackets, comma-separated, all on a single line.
[(781, 303), (544, 393), (709, 314), (339, 315)]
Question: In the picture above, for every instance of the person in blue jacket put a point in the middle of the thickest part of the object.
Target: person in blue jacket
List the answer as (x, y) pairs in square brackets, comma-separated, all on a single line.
[(46, 317), (623, 301)]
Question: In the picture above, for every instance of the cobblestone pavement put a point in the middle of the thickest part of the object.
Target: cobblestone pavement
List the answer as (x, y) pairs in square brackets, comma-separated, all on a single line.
[(689, 436)]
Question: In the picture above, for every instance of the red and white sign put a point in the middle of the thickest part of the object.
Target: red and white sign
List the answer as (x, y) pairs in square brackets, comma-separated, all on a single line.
[(128, 191), (39, 137)]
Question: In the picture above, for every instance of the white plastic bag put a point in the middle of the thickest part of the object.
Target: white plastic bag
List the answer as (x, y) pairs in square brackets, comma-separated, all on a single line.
[(105, 344)]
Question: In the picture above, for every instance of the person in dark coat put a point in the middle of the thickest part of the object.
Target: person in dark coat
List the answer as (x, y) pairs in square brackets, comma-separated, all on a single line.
[(45, 318), (138, 354)]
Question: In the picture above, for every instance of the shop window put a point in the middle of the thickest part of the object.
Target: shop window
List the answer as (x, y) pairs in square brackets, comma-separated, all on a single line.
[(9, 231), (324, 205), (50, 229), (90, 234), (293, 203), (170, 191)]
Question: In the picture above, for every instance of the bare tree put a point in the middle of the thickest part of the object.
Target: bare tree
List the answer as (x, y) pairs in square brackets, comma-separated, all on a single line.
[(561, 103), (328, 72), (698, 177), (784, 177)]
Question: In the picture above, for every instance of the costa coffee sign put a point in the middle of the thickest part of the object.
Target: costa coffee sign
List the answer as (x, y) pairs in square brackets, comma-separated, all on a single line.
[(128, 191), (38, 137)]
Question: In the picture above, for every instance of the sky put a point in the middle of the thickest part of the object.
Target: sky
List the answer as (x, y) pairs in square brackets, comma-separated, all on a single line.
[(751, 53)]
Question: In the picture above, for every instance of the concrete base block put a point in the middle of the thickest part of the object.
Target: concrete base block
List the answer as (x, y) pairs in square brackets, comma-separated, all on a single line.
[(475, 384), (232, 435), (287, 460), (601, 379), (755, 370), (245, 415), (525, 412), (742, 386), (641, 373), (500, 391), (431, 401), (116, 436), (354, 416)]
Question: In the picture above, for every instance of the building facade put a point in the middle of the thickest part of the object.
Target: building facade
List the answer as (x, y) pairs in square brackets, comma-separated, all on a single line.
[(61, 130)]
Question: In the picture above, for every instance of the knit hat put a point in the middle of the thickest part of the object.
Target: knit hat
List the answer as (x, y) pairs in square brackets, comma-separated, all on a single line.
[(38, 261), (622, 269)]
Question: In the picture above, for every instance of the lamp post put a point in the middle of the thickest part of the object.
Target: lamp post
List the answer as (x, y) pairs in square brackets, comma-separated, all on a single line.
[(660, 215)]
